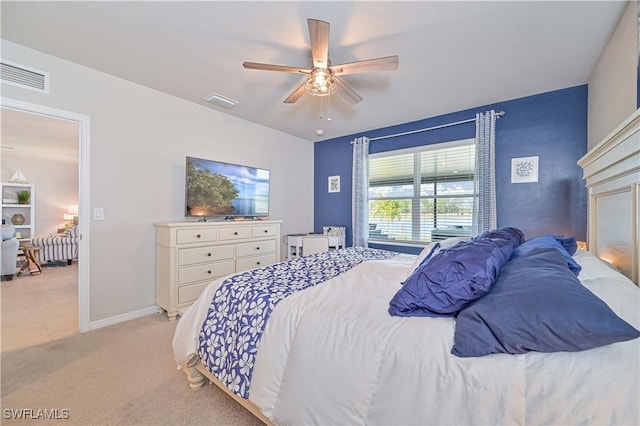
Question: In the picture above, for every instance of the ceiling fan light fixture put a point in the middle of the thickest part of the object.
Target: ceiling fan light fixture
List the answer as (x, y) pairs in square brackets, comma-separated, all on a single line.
[(320, 83), (323, 78)]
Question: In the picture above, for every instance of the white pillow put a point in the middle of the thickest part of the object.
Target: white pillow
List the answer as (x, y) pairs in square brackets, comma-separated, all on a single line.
[(425, 251), (449, 242)]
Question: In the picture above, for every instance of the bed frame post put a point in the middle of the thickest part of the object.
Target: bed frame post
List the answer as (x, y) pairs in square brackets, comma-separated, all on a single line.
[(198, 376), (195, 376)]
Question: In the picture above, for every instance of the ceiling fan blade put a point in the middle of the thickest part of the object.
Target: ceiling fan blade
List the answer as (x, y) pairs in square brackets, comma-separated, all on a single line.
[(271, 67), (388, 63), (319, 37), (297, 94), (347, 91)]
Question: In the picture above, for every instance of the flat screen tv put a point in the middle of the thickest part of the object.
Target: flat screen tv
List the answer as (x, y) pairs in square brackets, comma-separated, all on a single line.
[(215, 189)]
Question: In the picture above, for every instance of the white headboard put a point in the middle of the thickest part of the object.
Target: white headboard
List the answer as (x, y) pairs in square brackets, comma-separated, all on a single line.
[(612, 173)]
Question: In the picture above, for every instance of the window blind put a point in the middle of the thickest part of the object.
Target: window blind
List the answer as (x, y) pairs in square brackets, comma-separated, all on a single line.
[(422, 195)]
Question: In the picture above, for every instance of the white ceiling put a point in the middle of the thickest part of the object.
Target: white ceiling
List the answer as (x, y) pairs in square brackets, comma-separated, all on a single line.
[(453, 55), (38, 137)]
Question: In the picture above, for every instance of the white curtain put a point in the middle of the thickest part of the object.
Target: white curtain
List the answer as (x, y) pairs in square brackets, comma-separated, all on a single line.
[(484, 204), (359, 192)]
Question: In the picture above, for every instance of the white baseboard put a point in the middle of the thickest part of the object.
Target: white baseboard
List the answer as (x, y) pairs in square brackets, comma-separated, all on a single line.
[(123, 317)]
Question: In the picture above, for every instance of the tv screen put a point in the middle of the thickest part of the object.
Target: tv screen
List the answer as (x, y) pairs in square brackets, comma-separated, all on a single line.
[(215, 189)]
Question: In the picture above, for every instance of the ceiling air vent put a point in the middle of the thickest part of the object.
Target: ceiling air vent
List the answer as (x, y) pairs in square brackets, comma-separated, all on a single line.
[(221, 101), (25, 77)]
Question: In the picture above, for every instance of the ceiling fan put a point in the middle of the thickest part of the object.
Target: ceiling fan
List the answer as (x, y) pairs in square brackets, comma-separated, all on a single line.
[(322, 78)]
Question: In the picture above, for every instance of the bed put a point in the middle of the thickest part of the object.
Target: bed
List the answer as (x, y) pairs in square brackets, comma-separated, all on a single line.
[(331, 353)]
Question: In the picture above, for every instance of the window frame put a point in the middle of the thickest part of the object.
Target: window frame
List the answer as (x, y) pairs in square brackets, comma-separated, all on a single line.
[(416, 197)]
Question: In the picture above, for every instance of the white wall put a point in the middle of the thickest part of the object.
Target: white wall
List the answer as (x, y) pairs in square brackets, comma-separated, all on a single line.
[(139, 140), (612, 85)]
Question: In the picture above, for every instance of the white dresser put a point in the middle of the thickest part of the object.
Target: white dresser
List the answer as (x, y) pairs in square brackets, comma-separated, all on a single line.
[(189, 255)]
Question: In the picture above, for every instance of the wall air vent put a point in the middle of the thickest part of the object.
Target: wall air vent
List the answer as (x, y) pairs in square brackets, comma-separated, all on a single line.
[(221, 101), (25, 77)]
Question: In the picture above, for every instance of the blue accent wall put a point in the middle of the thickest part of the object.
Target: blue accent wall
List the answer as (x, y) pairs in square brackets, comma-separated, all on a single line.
[(552, 126)]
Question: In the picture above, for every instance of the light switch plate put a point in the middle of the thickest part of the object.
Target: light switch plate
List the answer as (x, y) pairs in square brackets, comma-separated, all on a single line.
[(98, 213)]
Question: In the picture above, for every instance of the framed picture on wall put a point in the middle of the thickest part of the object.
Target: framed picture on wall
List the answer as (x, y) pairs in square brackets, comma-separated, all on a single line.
[(334, 183), (524, 170)]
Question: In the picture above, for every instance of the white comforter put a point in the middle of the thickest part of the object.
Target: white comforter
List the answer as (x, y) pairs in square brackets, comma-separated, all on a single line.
[(331, 354)]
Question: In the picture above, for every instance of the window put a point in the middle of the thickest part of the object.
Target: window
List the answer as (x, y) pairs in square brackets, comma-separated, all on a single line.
[(422, 194)]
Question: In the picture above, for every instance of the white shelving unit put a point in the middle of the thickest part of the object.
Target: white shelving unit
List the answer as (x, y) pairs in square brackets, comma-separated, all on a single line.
[(27, 230)]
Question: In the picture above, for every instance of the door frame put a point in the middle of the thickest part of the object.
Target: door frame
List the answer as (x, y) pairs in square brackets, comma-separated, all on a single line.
[(84, 259)]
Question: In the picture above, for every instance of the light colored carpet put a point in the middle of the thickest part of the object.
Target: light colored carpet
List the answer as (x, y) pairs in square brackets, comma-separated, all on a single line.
[(118, 375)]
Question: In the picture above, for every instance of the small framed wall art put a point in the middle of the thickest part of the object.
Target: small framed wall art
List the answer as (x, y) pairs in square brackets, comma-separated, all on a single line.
[(524, 170), (334, 183)]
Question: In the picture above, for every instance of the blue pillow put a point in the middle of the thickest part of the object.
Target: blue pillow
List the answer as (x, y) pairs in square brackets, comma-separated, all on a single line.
[(514, 235), (447, 281), (546, 241), (537, 304), (569, 243)]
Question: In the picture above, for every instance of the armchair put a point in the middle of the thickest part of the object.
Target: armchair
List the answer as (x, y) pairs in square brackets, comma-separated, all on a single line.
[(62, 246), (8, 253)]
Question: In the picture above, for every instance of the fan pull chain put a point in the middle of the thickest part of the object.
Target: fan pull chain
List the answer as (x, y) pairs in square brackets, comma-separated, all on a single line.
[(321, 108), (329, 108)]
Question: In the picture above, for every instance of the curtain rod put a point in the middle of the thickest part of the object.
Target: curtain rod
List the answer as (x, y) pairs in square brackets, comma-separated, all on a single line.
[(498, 115)]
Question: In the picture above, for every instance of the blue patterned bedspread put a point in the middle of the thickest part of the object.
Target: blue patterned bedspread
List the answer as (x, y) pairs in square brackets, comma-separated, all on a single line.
[(241, 306)]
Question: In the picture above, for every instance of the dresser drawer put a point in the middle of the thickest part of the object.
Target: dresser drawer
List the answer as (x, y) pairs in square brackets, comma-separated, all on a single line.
[(191, 255), (189, 293), (254, 262), (227, 234), (190, 274), (264, 231), (185, 236), (255, 248), (204, 254)]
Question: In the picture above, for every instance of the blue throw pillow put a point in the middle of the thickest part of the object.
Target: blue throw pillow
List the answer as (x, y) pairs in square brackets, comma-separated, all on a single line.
[(514, 235), (447, 281), (537, 304), (569, 243), (547, 241)]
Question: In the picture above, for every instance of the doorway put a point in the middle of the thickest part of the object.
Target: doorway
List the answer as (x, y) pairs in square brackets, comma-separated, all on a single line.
[(73, 153)]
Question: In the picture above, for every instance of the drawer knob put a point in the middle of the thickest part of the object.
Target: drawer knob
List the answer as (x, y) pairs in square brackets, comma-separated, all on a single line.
[(208, 254), (235, 233), (266, 231), (208, 272), (198, 236), (257, 263), (257, 248)]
